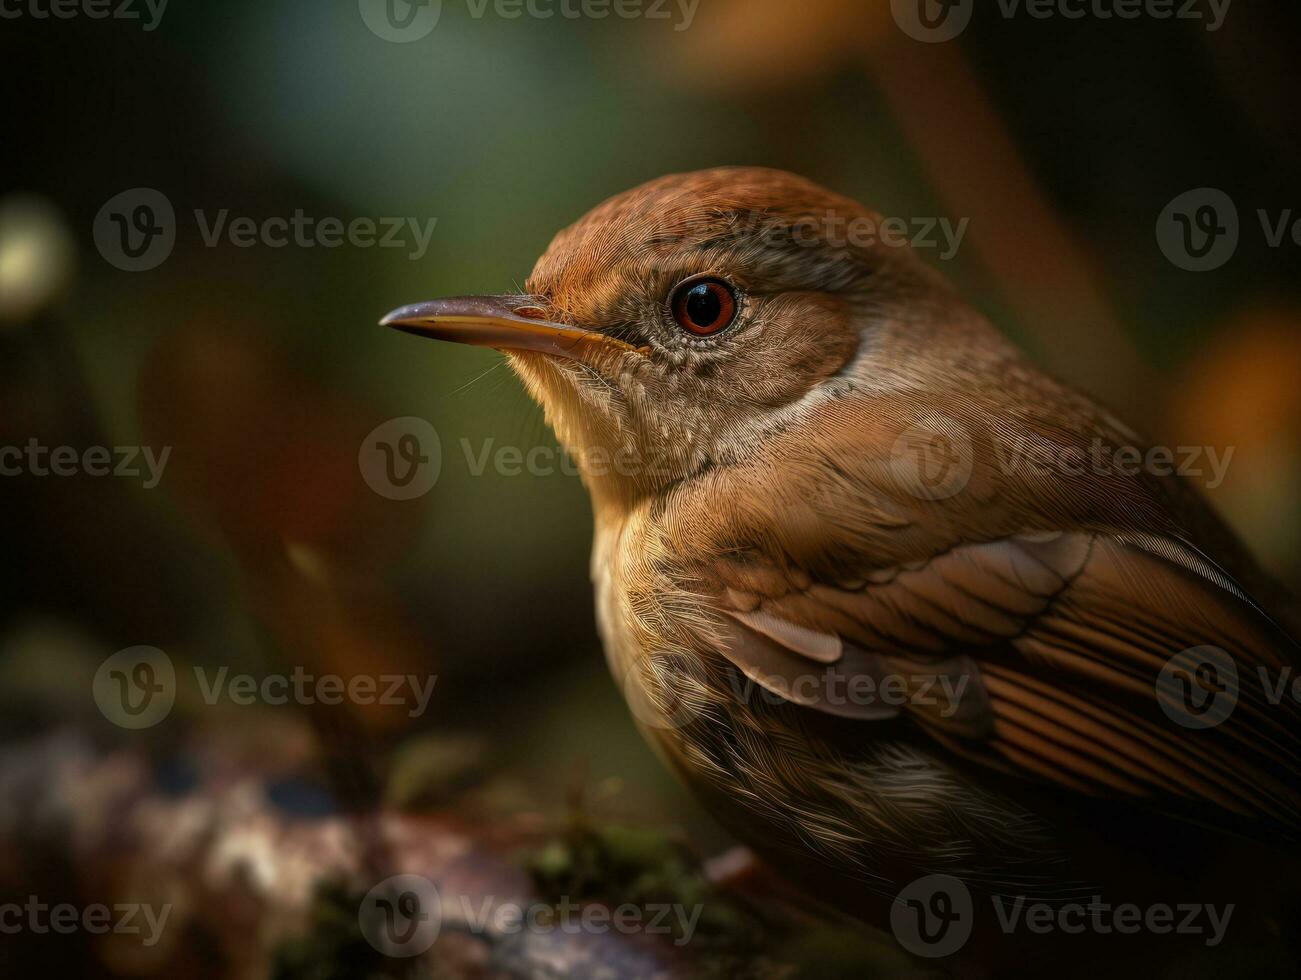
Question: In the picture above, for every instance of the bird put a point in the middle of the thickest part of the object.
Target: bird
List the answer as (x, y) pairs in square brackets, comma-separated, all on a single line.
[(895, 603)]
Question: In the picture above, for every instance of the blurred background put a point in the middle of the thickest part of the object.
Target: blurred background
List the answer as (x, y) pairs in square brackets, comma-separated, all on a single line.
[(262, 546)]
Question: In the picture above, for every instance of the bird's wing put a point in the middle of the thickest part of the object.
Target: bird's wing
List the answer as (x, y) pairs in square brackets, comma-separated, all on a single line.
[(1108, 664)]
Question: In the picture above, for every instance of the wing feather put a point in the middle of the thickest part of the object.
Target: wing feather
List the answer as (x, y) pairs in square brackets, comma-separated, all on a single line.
[(1058, 642)]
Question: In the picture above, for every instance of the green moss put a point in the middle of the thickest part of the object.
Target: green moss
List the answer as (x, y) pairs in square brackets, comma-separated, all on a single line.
[(333, 947), (615, 864)]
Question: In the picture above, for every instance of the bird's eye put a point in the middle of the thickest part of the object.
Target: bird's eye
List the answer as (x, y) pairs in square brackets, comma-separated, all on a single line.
[(703, 306)]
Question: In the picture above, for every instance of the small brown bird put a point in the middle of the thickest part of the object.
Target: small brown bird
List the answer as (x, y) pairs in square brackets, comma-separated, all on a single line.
[(891, 600)]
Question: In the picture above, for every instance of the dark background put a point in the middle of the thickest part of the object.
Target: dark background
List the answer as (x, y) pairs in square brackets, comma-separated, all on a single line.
[(1061, 141)]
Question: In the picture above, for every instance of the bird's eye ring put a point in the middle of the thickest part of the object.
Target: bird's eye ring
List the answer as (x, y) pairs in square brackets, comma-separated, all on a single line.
[(703, 306)]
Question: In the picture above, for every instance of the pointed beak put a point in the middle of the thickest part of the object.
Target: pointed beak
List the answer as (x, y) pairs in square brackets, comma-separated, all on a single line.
[(503, 322)]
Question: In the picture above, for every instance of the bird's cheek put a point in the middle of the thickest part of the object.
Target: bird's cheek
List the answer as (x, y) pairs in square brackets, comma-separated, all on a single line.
[(808, 338)]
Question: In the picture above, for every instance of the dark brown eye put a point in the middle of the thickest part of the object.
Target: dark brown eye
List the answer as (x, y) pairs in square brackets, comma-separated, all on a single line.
[(703, 306)]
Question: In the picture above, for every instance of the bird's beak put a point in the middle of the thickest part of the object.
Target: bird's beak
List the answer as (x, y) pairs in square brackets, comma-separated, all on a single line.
[(503, 322)]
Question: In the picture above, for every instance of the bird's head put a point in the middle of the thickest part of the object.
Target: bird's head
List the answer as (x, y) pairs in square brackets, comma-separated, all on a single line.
[(674, 326)]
